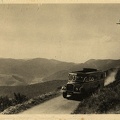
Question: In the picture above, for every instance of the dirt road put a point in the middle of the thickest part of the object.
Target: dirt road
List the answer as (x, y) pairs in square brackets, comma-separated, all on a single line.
[(57, 105)]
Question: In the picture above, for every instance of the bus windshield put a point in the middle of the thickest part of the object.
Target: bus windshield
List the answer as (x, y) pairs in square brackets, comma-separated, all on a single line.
[(76, 77)]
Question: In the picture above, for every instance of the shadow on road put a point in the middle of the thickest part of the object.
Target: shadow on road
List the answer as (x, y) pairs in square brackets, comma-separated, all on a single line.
[(77, 97), (80, 97)]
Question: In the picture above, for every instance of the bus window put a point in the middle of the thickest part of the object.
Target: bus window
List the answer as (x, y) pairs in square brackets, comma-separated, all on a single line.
[(86, 79), (80, 78), (91, 79), (72, 77)]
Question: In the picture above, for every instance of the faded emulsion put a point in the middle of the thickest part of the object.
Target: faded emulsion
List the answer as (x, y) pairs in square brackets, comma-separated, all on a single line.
[(59, 58)]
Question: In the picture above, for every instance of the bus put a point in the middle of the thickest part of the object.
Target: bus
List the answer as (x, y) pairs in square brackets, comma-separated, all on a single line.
[(80, 82)]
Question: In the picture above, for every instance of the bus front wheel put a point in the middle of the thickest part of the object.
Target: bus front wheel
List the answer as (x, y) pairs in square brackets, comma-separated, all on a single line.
[(64, 94)]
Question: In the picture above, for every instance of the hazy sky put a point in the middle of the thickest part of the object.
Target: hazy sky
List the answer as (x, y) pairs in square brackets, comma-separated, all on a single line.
[(67, 32)]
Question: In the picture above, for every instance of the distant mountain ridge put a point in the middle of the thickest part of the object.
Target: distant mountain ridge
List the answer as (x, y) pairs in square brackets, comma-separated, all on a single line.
[(29, 71), (98, 64), (92, 63)]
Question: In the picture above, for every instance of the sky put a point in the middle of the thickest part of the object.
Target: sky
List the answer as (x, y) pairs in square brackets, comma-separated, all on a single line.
[(65, 32)]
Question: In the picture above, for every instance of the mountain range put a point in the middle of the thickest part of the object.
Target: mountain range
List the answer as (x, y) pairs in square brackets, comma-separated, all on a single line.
[(15, 72)]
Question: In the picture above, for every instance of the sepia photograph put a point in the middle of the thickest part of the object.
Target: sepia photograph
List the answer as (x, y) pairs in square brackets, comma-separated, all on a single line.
[(60, 59)]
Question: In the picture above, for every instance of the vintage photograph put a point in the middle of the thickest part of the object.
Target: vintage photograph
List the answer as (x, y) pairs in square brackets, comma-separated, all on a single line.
[(59, 59)]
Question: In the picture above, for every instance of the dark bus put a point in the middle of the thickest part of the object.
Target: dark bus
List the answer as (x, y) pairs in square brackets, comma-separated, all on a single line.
[(83, 81)]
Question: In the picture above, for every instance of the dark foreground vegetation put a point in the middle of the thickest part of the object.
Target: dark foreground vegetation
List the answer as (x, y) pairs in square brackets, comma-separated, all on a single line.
[(27, 96), (6, 102), (30, 103), (106, 100)]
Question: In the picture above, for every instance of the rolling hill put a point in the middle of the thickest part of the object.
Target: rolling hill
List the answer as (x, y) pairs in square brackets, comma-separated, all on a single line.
[(60, 75), (21, 71), (11, 80), (18, 72), (32, 90), (97, 64)]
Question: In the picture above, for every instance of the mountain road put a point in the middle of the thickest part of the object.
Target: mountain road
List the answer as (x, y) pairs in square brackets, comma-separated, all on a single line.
[(57, 105)]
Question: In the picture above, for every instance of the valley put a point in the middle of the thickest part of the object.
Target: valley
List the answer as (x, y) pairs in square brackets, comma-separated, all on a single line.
[(35, 77), (16, 72)]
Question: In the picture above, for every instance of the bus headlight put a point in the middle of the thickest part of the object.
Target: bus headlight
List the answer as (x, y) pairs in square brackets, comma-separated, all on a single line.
[(63, 87), (79, 89), (76, 89)]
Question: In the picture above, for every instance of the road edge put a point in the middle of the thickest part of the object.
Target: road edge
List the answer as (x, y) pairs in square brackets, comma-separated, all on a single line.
[(30, 103)]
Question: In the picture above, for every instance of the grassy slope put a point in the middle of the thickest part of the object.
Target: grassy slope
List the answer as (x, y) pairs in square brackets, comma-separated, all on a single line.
[(40, 69), (11, 80), (61, 75), (32, 70), (105, 101), (31, 90), (30, 103)]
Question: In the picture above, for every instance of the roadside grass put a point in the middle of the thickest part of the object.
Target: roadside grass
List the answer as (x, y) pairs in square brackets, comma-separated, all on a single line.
[(30, 103), (35, 94), (106, 100)]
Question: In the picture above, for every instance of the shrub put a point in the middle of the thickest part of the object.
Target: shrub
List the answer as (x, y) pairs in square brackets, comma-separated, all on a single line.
[(19, 98), (102, 101), (4, 102)]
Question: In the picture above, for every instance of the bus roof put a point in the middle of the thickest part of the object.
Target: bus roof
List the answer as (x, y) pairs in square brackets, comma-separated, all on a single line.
[(85, 71)]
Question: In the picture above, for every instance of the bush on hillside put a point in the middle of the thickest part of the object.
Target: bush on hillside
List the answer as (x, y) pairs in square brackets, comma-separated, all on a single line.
[(6, 102), (19, 98), (102, 101), (30, 103)]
